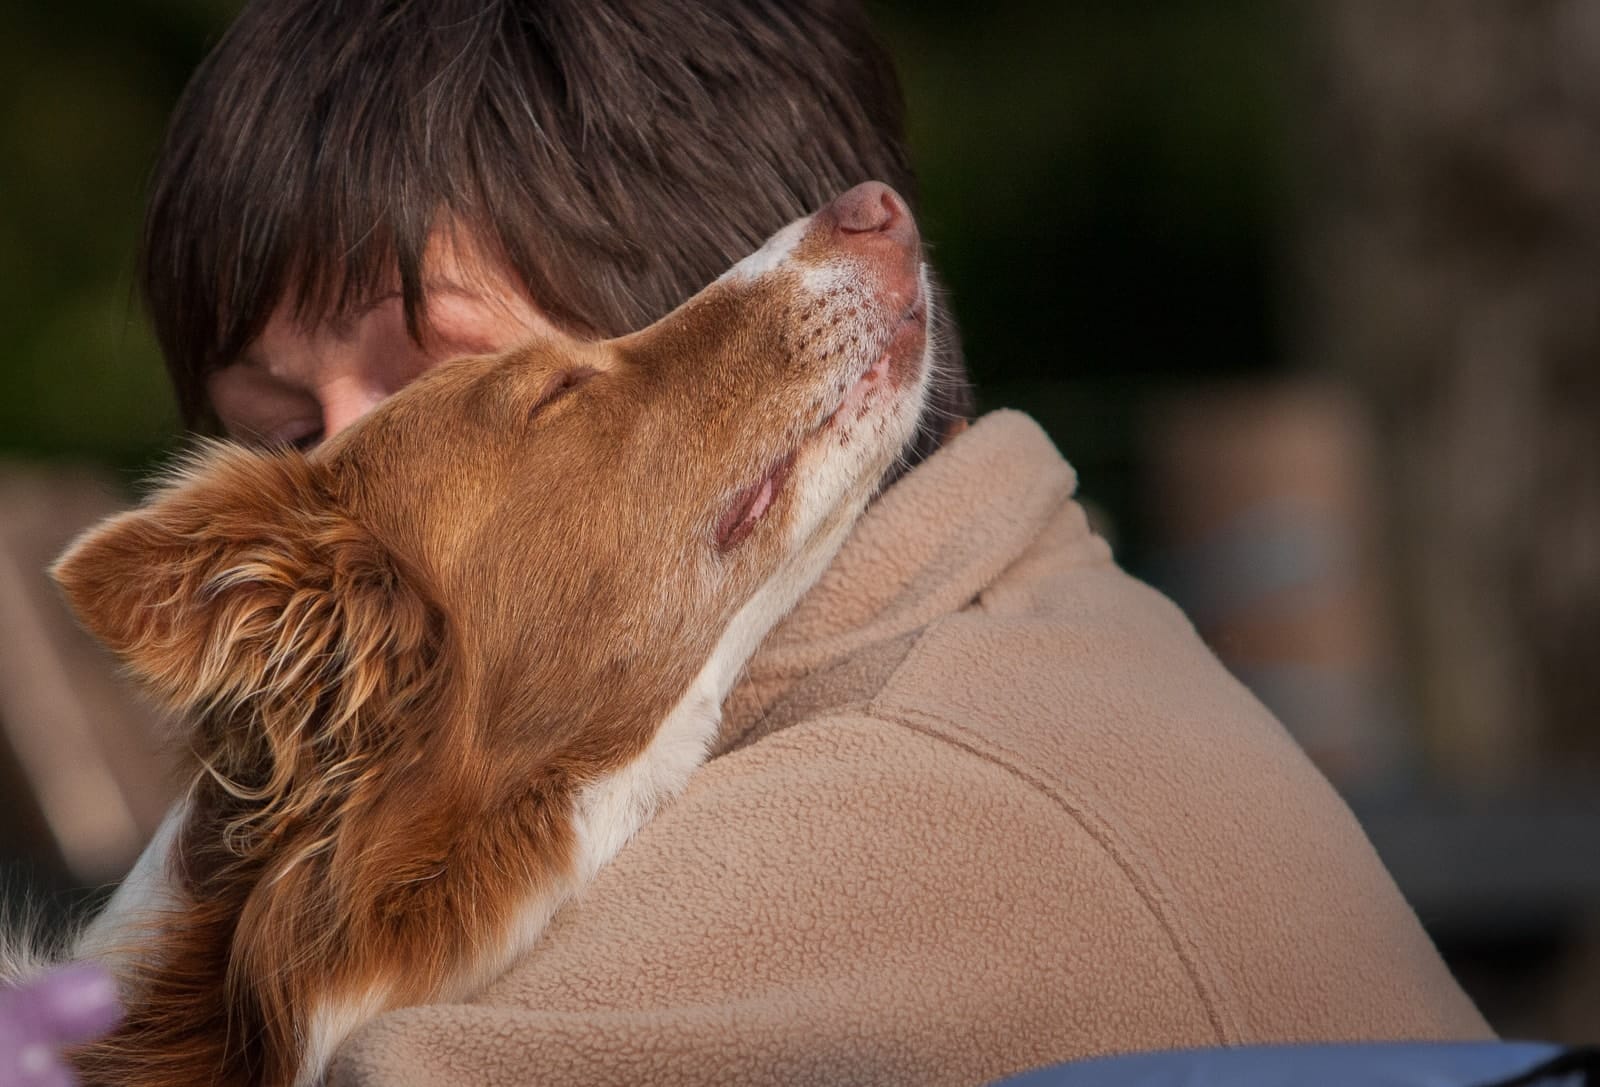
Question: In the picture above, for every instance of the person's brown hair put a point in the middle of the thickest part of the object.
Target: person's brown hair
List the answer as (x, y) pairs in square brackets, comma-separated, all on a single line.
[(620, 155)]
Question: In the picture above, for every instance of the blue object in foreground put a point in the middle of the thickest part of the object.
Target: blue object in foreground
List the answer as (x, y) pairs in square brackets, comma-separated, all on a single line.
[(1463, 1064)]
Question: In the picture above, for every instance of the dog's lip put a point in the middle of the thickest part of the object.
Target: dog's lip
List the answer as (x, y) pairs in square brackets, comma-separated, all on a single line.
[(751, 503)]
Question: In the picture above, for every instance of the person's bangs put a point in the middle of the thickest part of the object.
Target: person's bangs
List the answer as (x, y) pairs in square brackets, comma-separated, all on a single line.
[(612, 165), (321, 196)]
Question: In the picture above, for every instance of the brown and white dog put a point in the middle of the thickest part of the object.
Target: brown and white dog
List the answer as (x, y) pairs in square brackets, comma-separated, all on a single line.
[(437, 673)]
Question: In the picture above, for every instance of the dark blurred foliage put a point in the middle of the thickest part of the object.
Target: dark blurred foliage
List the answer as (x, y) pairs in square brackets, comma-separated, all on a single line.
[(1101, 182), (86, 92)]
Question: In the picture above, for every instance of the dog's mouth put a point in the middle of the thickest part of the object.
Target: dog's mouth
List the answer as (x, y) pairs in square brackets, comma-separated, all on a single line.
[(751, 504), (901, 353)]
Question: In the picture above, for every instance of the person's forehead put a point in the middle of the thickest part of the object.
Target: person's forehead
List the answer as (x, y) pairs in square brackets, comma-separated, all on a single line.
[(464, 284)]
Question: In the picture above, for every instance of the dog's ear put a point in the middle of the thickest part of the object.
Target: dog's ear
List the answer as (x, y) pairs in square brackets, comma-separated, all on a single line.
[(243, 586)]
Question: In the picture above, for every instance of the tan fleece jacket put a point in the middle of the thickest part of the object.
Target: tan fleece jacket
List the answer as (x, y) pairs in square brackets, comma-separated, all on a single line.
[(983, 803)]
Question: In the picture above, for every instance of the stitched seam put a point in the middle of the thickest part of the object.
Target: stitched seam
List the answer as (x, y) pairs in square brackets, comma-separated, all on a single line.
[(986, 749), (1182, 944)]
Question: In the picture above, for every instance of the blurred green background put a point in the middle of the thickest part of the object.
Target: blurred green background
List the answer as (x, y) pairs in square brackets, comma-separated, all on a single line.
[(87, 90), (1104, 185)]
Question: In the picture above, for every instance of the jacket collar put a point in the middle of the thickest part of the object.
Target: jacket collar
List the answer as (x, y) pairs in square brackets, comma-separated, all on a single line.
[(927, 547)]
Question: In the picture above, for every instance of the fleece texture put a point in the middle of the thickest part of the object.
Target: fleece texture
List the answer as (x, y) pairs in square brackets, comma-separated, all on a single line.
[(981, 804)]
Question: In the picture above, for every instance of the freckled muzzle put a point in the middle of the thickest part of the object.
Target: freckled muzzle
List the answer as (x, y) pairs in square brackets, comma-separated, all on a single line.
[(865, 246), (854, 318)]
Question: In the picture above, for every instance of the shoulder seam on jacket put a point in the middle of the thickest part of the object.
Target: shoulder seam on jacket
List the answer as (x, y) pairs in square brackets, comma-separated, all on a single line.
[(964, 739)]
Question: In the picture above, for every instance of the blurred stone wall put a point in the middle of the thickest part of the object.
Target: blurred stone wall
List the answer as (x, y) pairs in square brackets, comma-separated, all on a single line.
[(84, 761), (1450, 265)]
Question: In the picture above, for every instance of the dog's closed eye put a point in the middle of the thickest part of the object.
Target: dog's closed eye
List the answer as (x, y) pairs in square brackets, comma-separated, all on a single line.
[(559, 385)]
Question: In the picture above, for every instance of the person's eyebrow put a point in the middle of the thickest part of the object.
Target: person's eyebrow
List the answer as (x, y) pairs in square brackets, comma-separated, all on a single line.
[(431, 287)]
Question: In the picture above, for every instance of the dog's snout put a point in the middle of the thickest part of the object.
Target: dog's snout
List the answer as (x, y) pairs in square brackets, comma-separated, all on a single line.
[(873, 208)]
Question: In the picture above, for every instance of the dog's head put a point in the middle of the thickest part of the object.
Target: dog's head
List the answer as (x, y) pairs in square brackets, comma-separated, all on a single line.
[(446, 663), (562, 536)]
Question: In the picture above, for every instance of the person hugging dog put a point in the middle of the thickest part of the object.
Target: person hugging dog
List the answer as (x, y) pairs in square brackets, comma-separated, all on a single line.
[(982, 803)]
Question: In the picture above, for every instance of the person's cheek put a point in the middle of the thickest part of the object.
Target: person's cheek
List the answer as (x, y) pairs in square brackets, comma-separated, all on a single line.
[(460, 325), (255, 408)]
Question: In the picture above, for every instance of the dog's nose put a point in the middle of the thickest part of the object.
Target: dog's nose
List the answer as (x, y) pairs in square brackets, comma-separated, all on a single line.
[(874, 208)]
